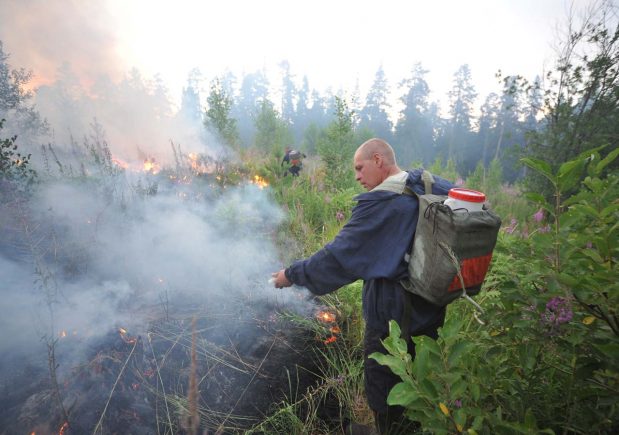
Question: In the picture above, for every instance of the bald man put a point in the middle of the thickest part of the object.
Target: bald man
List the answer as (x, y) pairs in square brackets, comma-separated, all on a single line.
[(372, 247)]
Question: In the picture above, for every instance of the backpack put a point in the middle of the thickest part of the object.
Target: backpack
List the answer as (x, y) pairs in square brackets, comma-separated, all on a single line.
[(451, 251)]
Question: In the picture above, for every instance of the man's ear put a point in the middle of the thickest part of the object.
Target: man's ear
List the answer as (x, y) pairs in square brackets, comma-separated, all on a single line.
[(378, 159)]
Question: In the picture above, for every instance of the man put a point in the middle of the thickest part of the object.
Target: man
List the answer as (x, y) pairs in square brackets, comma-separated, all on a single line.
[(293, 158), (372, 247)]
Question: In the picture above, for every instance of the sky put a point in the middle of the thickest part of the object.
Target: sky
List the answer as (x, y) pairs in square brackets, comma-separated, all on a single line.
[(336, 44)]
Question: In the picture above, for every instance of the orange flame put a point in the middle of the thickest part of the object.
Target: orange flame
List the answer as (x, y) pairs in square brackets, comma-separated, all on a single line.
[(330, 340), (326, 316), (63, 428), (63, 334), (125, 337), (259, 181), (150, 165), (199, 165), (121, 164)]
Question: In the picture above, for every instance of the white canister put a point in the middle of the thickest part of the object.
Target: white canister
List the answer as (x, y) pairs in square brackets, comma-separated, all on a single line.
[(460, 199)]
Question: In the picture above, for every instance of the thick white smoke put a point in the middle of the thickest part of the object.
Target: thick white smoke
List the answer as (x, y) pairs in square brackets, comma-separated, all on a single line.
[(102, 255)]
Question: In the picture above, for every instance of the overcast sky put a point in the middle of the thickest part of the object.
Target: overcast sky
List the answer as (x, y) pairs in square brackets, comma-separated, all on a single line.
[(334, 42)]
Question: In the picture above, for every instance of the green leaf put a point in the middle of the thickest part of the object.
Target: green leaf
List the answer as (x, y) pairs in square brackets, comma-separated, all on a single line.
[(569, 174), (394, 343), (606, 160), (429, 388), (569, 167), (458, 388), (540, 166), (593, 254), (421, 363), (402, 394), (567, 279), (610, 349), (396, 364), (457, 350), (431, 345), (475, 392), (529, 419), (538, 198)]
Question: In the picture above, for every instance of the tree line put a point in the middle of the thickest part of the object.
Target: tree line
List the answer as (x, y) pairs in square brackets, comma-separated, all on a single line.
[(571, 108)]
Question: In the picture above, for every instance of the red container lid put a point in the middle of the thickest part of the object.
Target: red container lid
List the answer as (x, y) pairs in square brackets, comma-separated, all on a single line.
[(466, 195)]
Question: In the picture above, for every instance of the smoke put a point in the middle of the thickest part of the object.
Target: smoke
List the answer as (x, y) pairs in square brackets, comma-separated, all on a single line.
[(40, 35), (80, 77), (104, 255)]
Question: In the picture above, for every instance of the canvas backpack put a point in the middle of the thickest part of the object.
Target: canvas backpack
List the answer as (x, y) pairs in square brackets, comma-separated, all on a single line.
[(451, 251)]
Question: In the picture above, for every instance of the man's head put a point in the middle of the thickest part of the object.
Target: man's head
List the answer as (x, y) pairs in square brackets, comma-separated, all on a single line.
[(374, 161)]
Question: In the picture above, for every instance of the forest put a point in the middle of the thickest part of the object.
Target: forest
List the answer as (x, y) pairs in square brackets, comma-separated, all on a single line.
[(137, 240)]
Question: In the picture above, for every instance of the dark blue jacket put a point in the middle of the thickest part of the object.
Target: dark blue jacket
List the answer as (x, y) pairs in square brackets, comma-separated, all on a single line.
[(371, 247)]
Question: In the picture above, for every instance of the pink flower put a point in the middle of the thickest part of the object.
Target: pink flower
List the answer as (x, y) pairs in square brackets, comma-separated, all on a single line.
[(539, 215), (558, 311), (512, 226)]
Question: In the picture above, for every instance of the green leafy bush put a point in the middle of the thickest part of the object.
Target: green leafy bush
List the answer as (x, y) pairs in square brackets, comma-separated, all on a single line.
[(547, 360)]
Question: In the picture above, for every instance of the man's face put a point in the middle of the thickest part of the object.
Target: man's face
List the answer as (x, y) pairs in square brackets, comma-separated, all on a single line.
[(368, 171)]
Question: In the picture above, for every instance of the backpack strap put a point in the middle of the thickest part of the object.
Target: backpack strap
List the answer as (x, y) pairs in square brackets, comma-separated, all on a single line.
[(428, 181)]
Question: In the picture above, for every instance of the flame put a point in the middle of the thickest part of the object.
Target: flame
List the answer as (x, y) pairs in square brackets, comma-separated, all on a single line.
[(120, 163), (150, 165), (259, 181), (63, 428), (63, 334), (335, 329), (326, 316), (125, 337), (199, 164), (330, 340)]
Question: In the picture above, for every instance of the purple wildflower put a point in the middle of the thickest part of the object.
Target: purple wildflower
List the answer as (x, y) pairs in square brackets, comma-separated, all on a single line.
[(539, 215), (512, 226), (339, 216), (558, 311), (457, 403), (589, 245), (545, 229)]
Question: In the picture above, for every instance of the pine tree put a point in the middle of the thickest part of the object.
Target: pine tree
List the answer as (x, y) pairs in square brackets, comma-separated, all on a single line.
[(374, 114), (414, 129), (218, 120)]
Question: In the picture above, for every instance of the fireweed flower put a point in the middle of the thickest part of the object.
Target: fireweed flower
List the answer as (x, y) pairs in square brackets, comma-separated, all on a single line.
[(512, 226), (545, 229), (539, 215), (558, 311)]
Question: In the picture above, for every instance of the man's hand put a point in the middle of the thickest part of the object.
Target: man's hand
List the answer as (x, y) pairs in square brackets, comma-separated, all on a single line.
[(280, 280)]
